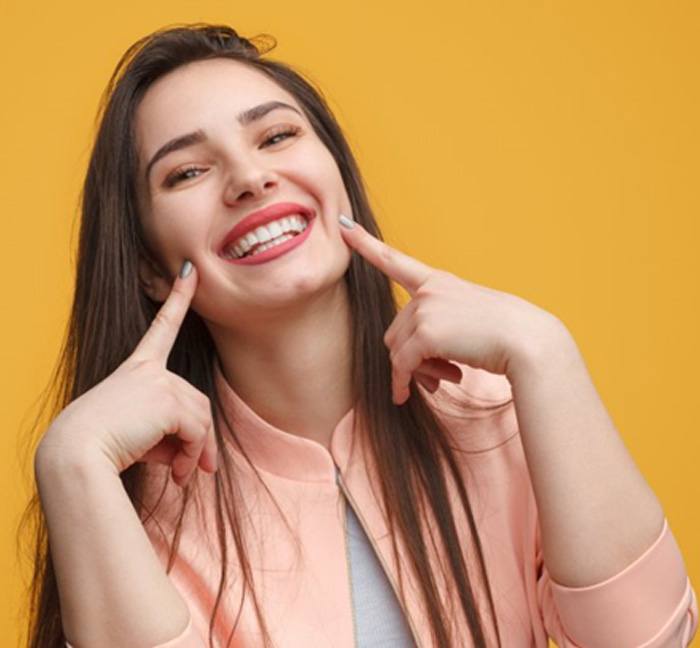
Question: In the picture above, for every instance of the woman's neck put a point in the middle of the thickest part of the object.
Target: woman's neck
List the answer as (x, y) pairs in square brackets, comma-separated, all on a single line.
[(295, 372)]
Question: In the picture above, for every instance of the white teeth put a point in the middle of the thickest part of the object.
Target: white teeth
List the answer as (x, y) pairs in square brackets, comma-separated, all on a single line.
[(274, 229), (262, 233), (265, 234), (273, 243), (248, 241)]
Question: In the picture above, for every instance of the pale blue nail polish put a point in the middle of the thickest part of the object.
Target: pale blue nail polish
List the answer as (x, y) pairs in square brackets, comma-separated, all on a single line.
[(186, 269), (346, 222)]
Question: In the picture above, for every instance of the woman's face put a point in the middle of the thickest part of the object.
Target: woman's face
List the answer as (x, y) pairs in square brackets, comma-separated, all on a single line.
[(234, 171)]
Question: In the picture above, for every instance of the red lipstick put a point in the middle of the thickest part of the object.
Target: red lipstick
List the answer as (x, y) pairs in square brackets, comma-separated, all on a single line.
[(263, 216)]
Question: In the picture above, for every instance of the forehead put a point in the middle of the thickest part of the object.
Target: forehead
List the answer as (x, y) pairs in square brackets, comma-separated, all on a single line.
[(200, 95)]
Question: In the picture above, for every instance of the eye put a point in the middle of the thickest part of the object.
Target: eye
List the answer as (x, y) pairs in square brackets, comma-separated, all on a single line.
[(177, 176), (288, 131), (182, 174)]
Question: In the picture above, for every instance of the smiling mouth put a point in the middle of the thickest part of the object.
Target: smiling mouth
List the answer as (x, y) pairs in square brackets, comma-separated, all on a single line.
[(266, 252), (266, 236)]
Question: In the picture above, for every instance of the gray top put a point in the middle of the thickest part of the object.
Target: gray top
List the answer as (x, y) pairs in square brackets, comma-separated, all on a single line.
[(379, 619)]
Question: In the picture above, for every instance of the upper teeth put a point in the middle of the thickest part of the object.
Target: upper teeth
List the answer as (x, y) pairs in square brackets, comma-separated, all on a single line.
[(264, 233)]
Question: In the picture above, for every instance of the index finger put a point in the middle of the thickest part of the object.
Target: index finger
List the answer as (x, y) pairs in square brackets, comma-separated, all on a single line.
[(404, 269), (158, 340)]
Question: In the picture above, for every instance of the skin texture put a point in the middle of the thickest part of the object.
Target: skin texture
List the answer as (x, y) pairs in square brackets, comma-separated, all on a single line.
[(280, 327)]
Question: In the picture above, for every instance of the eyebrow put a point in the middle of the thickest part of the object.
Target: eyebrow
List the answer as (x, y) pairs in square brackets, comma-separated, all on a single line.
[(197, 137)]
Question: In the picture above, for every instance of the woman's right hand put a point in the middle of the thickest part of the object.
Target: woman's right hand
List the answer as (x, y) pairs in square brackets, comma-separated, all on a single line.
[(142, 411)]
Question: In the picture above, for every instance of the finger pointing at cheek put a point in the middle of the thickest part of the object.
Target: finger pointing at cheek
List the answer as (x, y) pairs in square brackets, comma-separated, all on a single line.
[(423, 362), (402, 268), (450, 320)]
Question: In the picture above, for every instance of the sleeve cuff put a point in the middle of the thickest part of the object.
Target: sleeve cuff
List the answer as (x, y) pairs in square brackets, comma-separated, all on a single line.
[(188, 638), (644, 605)]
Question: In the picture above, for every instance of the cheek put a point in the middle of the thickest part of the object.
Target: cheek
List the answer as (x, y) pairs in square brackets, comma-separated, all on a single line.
[(318, 170), (175, 239)]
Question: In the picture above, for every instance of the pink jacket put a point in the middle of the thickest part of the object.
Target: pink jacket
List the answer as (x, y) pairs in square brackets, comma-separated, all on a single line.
[(307, 599)]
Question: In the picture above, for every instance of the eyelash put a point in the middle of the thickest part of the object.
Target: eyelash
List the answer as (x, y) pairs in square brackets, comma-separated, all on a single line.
[(178, 176)]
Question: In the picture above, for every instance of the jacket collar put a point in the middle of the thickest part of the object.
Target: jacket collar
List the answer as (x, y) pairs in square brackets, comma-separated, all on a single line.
[(293, 457), (279, 452)]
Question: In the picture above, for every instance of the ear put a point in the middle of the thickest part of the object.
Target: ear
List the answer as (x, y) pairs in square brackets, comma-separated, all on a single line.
[(153, 281)]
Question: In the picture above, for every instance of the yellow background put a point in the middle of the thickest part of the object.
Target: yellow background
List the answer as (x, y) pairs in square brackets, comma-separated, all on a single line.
[(544, 149)]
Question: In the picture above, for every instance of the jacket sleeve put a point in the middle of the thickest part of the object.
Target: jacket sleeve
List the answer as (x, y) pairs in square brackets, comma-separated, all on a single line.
[(190, 637), (649, 604)]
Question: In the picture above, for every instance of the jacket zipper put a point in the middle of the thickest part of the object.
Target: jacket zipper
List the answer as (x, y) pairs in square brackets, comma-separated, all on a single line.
[(340, 483), (347, 561)]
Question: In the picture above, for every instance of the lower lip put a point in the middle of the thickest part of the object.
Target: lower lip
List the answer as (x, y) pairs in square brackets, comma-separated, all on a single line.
[(277, 250)]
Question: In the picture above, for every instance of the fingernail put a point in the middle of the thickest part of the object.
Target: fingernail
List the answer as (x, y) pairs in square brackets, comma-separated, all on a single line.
[(186, 269), (346, 222)]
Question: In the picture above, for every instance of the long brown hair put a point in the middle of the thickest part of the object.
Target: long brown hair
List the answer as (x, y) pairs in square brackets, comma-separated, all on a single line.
[(110, 313)]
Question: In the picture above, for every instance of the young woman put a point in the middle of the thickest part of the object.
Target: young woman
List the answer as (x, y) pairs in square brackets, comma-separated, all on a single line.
[(254, 446)]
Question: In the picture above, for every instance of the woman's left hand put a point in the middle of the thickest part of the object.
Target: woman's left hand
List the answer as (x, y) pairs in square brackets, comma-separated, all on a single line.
[(449, 318)]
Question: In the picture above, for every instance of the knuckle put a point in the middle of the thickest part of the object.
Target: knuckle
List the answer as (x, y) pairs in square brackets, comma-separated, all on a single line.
[(162, 319), (439, 276), (420, 311), (133, 364), (205, 421), (203, 439), (204, 406), (170, 399), (204, 400), (386, 253), (435, 282), (423, 331)]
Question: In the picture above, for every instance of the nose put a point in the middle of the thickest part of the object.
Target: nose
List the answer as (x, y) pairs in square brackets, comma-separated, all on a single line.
[(249, 183)]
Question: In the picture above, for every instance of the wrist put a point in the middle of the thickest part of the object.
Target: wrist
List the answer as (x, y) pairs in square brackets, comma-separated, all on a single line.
[(552, 347), (61, 450)]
